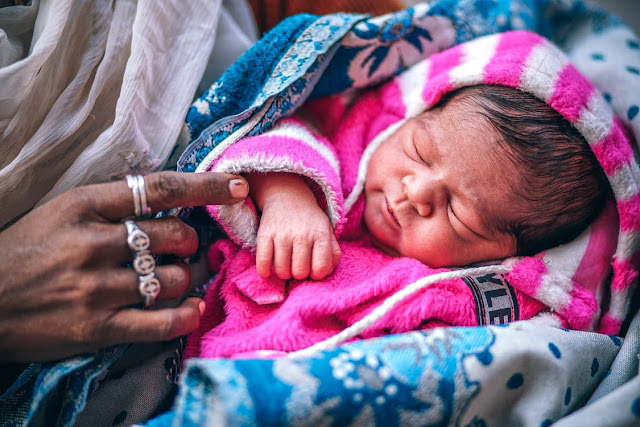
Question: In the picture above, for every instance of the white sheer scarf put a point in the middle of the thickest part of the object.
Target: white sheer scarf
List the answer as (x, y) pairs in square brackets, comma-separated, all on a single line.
[(93, 90)]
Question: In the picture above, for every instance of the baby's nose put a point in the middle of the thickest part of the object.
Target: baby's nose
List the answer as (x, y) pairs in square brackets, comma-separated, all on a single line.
[(422, 193)]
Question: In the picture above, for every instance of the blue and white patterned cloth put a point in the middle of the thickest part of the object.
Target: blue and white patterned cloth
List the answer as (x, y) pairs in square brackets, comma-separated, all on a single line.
[(520, 374), (484, 376)]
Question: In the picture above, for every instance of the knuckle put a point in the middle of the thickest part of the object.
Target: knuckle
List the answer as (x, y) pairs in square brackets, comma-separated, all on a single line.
[(300, 240), (84, 247), (321, 267), (166, 186), (282, 242), (263, 237), (79, 199), (179, 275), (262, 255), (92, 286), (181, 231), (263, 245), (88, 239), (299, 266), (322, 244), (80, 195), (262, 260), (322, 262), (168, 328), (89, 290), (263, 266)]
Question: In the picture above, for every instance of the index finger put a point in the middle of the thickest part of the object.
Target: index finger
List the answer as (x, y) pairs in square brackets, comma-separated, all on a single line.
[(167, 190)]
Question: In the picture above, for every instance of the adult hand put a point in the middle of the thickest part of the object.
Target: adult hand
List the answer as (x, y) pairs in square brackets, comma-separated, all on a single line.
[(64, 288)]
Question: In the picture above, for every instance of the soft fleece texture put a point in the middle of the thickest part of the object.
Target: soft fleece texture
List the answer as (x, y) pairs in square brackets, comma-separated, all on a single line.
[(585, 284)]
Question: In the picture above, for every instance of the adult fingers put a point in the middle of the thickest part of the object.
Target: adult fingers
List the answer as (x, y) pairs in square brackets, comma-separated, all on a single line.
[(301, 259), (133, 325), (166, 190), (167, 235), (119, 288)]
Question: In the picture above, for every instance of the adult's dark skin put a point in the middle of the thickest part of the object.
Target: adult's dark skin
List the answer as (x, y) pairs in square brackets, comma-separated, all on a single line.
[(64, 287)]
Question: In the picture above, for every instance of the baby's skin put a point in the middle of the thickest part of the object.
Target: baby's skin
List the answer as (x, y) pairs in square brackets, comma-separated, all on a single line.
[(433, 192)]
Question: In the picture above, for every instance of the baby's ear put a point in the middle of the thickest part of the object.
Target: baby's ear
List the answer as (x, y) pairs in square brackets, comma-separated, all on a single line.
[(262, 291)]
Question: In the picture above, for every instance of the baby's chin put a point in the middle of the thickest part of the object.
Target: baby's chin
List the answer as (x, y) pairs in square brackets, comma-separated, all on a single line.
[(382, 247)]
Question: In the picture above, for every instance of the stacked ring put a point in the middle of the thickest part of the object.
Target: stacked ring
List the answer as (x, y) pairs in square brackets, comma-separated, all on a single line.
[(143, 262), (136, 184)]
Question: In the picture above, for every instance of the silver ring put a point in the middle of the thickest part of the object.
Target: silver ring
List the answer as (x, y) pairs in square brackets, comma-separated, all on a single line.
[(139, 191), (144, 263), (149, 288)]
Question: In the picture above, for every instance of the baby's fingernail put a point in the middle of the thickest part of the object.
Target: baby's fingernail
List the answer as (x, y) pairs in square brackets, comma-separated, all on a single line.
[(238, 188), (201, 307)]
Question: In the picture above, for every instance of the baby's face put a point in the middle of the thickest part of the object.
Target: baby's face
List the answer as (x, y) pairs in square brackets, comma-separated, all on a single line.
[(433, 188)]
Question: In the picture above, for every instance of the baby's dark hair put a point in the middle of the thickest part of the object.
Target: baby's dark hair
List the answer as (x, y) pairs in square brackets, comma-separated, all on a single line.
[(562, 187)]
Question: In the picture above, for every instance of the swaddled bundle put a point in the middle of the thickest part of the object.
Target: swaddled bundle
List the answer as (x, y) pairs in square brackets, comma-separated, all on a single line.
[(583, 284)]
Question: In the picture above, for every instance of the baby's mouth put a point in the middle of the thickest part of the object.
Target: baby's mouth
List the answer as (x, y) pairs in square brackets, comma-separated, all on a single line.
[(392, 213)]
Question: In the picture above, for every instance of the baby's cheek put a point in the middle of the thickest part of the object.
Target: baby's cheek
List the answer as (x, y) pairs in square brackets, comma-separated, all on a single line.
[(432, 248)]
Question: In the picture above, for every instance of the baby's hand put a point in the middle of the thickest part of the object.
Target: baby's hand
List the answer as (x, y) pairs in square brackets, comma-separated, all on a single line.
[(296, 237), (298, 240)]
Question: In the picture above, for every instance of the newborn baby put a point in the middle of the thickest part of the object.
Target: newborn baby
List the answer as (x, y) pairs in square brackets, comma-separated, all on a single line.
[(447, 165)]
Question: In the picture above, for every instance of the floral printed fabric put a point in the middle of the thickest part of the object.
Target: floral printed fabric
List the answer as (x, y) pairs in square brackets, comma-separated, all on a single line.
[(446, 376)]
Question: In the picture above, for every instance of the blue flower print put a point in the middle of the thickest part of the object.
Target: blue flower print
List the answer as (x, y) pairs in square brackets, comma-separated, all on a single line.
[(393, 42), (388, 381)]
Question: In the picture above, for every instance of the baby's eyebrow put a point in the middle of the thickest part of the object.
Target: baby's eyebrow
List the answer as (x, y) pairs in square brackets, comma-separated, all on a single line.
[(431, 139)]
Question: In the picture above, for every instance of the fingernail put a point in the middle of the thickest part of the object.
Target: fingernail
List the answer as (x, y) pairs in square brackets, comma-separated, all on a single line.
[(201, 307), (238, 188)]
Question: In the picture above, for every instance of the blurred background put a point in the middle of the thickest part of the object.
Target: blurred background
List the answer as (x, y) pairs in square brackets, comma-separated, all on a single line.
[(628, 10), (270, 12)]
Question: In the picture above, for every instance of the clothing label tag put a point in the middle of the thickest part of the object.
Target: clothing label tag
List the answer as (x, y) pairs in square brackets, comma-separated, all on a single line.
[(496, 303)]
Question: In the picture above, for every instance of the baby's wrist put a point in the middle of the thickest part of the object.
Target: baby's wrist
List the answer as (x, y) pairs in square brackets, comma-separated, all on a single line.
[(291, 201), (281, 189)]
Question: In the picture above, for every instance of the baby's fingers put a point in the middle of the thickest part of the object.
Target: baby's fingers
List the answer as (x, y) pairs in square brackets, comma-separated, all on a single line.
[(321, 260), (301, 260), (264, 256), (282, 258)]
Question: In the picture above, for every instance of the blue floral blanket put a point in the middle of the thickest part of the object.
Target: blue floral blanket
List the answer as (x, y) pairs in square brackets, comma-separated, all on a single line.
[(518, 374)]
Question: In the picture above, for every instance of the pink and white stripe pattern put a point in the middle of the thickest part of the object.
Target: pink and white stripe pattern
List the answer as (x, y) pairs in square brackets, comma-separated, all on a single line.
[(529, 62)]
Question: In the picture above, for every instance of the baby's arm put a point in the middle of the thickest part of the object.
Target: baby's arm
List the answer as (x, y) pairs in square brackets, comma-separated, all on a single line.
[(294, 234)]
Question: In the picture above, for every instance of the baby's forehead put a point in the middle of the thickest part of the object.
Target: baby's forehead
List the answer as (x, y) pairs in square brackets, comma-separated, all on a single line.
[(477, 164), (459, 113)]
